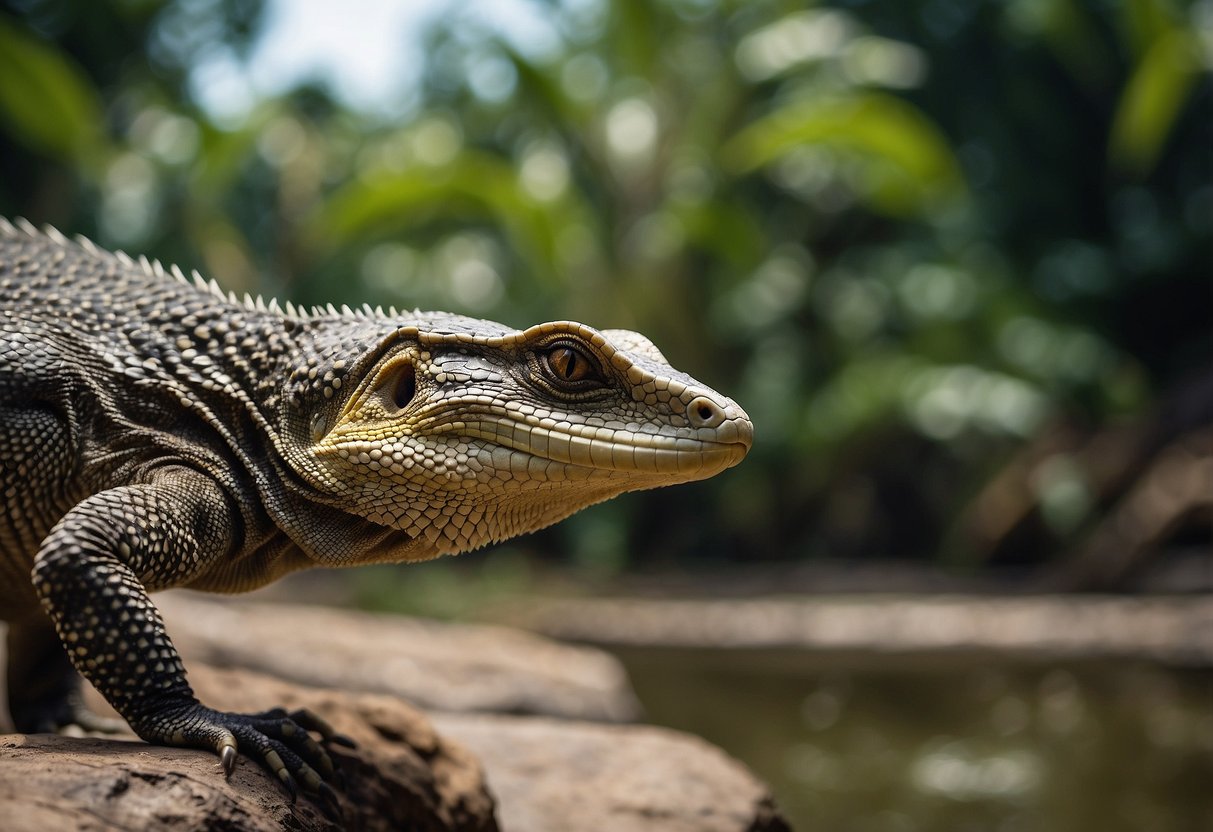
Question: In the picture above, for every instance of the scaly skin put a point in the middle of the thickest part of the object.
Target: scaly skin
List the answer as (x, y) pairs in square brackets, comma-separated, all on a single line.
[(158, 433)]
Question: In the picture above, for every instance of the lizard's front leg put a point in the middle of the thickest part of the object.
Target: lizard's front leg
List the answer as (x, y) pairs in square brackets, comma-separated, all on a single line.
[(92, 574)]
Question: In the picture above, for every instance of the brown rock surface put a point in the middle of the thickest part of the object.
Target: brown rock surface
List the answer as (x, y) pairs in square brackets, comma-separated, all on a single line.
[(59, 783), (436, 666), (402, 776), (546, 774), (554, 776)]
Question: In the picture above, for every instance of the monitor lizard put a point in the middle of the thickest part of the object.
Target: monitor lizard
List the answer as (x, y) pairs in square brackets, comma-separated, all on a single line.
[(157, 432)]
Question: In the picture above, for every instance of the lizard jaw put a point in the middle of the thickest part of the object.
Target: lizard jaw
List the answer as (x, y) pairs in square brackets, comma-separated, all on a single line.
[(647, 455)]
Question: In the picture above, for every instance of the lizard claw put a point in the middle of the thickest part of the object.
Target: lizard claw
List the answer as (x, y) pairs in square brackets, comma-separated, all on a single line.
[(227, 756), (342, 740)]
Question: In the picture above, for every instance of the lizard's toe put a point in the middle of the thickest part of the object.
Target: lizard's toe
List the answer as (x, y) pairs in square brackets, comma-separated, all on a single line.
[(309, 721), (291, 731), (277, 757), (292, 770)]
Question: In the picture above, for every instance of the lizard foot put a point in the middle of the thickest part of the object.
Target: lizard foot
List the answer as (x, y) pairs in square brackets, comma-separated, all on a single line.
[(279, 740)]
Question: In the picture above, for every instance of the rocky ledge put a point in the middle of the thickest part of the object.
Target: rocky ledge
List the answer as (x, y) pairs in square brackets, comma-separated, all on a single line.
[(470, 762)]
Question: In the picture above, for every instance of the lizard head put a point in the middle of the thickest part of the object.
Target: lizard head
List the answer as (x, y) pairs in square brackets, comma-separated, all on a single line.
[(461, 433)]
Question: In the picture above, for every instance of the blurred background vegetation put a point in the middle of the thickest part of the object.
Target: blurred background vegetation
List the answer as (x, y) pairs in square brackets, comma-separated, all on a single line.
[(912, 238), (953, 256), (934, 247)]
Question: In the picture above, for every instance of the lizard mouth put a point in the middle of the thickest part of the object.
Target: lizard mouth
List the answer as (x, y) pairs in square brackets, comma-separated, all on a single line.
[(684, 457)]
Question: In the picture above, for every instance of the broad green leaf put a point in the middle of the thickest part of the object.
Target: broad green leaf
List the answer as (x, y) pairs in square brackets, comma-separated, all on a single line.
[(906, 164), (1145, 21), (634, 36), (474, 186), (47, 102), (1153, 99)]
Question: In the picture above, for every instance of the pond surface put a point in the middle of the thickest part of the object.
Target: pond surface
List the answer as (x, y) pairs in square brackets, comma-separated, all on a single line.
[(958, 743)]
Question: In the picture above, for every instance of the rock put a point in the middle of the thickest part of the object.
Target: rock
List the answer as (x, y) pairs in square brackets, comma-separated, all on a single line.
[(403, 775), (554, 776), (1161, 628), (449, 667), (59, 783), (547, 774)]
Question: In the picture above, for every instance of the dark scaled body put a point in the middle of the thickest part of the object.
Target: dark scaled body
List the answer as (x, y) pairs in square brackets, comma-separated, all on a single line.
[(120, 478), (157, 433)]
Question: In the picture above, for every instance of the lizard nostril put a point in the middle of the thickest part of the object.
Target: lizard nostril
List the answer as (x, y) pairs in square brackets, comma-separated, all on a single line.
[(704, 413)]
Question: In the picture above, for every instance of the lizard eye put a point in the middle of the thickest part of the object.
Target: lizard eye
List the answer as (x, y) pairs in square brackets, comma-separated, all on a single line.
[(569, 364)]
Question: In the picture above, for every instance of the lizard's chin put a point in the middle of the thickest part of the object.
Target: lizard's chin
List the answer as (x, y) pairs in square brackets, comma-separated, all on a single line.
[(401, 539)]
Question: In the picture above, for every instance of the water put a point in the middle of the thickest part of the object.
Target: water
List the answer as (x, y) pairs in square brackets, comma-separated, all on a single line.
[(900, 745)]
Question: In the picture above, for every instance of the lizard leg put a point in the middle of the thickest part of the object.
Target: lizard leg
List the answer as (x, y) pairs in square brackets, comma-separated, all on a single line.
[(44, 692), (93, 573)]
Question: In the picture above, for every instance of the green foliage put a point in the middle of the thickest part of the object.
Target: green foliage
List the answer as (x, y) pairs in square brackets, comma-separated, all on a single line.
[(46, 102), (906, 236), (469, 187), (904, 166), (1161, 83)]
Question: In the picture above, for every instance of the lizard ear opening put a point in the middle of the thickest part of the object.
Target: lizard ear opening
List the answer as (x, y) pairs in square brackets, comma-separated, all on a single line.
[(404, 386)]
